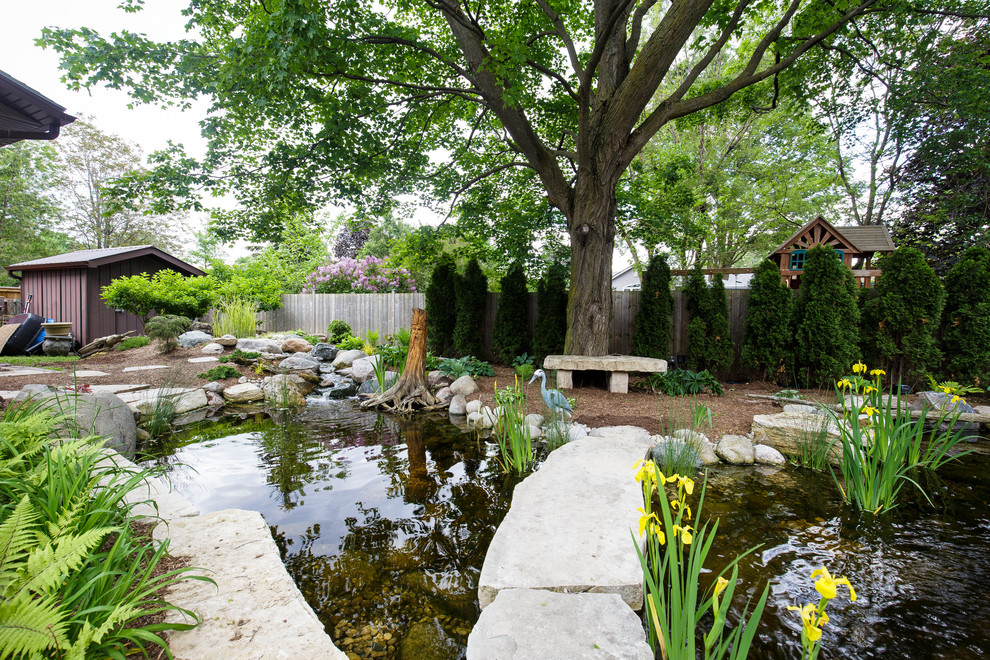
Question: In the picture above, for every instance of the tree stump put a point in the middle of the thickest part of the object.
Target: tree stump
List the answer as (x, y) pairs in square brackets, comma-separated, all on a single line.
[(411, 391)]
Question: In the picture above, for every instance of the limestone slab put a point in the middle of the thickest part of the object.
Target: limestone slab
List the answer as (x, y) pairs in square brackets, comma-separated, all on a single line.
[(27, 371), (89, 373), (184, 399), (207, 358), (604, 363), (147, 367), (119, 388), (522, 624), (786, 432), (255, 610), (568, 526)]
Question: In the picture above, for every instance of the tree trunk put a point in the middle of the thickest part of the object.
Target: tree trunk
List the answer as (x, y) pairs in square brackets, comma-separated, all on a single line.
[(411, 389), (592, 230)]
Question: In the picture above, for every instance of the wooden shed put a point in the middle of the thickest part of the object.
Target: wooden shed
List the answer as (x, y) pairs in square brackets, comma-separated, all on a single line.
[(67, 287), (856, 246)]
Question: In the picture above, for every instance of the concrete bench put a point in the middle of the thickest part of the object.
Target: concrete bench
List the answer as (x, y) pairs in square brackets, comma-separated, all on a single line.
[(616, 368)]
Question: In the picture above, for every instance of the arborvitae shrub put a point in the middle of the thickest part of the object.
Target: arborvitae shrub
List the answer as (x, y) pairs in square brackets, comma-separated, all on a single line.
[(827, 319), (441, 312), (769, 338), (651, 337), (551, 312), (901, 317), (472, 290), (709, 343), (510, 336), (966, 318)]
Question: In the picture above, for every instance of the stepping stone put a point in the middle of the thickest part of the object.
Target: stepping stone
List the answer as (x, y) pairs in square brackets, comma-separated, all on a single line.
[(522, 623), (204, 359), (28, 371), (148, 367), (8, 395), (568, 526), (88, 373)]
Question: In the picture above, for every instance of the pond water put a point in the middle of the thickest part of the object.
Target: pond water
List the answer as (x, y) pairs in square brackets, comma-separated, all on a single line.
[(383, 522)]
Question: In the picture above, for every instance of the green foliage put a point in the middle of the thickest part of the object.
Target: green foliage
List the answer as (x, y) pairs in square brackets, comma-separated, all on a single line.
[(768, 341), (826, 318), (166, 330), (471, 293), (74, 575), (222, 372), (523, 366), (350, 343), (337, 330), (235, 316), (34, 360), (651, 337), (166, 292), (680, 382), (133, 342), (966, 318), (551, 311), (239, 356), (709, 343), (516, 452), (510, 336), (442, 314), (901, 317), (467, 365)]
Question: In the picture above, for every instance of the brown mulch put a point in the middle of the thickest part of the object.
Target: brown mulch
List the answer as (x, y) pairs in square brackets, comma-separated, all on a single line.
[(596, 406)]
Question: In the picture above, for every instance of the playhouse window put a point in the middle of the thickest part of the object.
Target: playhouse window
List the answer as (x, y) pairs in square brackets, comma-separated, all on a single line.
[(797, 259)]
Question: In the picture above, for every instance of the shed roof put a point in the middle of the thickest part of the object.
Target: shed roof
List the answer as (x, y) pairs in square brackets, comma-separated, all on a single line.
[(869, 238), (97, 258), (26, 114)]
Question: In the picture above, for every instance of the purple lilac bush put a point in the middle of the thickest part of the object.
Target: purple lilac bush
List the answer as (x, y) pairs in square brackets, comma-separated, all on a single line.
[(368, 275)]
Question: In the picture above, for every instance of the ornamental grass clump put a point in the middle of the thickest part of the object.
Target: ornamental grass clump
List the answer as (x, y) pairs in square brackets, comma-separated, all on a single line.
[(883, 448), (511, 431), (237, 317), (813, 617), (672, 566)]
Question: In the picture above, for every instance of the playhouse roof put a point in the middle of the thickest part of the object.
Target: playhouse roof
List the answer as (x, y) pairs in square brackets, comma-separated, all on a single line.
[(868, 238)]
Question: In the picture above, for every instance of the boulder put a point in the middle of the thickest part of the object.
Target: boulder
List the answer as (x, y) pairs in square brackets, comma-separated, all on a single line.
[(338, 387), (489, 418), (472, 406), (691, 437), (736, 450), (438, 379), (364, 368), (259, 345), (534, 419), (464, 385), (672, 451), (787, 432), (213, 399), (300, 362), (801, 408), (214, 386), (474, 418), (102, 414), (346, 358), (938, 402), (768, 455), (324, 352), (201, 327), (534, 432), (194, 338), (577, 431), (213, 348), (281, 390), (243, 393), (227, 341), (444, 394), (183, 399), (458, 405), (295, 344)]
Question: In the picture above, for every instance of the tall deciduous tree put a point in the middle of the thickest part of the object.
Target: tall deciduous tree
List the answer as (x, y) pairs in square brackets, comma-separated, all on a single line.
[(349, 98)]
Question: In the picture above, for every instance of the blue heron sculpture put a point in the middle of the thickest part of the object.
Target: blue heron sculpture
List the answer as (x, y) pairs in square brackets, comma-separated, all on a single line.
[(554, 399)]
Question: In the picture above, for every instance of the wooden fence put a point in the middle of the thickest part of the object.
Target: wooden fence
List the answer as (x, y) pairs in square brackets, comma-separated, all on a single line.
[(387, 312)]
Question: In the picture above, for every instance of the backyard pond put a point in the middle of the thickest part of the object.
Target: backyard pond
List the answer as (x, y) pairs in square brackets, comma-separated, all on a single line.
[(383, 522)]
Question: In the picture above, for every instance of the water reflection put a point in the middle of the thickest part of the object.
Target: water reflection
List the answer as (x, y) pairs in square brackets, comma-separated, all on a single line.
[(383, 522)]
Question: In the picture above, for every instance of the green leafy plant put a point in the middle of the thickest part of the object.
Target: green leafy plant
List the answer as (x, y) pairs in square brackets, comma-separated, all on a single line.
[(523, 365), (683, 381), (222, 372), (467, 365), (312, 339), (237, 317), (350, 343), (966, 317), (952, 388), (133, 342), (701, 414), (337, 330), (165, 330), (441, 308), (402, 336), (816, 445), (380, 372), (239, 356), (165, 292), (673, 563)]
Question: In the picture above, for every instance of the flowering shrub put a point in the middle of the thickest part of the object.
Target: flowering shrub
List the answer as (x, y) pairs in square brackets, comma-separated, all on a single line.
[(368, 275)]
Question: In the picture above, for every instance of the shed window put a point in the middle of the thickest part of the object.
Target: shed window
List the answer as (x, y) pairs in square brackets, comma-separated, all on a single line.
[(797, 259)]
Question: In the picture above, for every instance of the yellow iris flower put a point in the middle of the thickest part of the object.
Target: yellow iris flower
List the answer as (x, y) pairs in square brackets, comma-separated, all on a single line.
[(957, 398), (859, 368), (650, 520), (844, 383), (878, 372), (826, 585), (869, 389), (870, 410), (720, 586), (687, 483), (677, 504), (685, 533), (813, 623), (646, 472)]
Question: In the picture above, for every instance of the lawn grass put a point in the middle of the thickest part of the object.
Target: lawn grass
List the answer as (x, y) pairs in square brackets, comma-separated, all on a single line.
[(36, 360)]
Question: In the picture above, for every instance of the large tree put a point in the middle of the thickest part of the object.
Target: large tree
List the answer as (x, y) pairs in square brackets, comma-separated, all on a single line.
[(350, 98)]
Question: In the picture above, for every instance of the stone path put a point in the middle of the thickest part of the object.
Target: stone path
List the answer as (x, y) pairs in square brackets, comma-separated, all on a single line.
[(147, 367), (12, 371), (567, 531)]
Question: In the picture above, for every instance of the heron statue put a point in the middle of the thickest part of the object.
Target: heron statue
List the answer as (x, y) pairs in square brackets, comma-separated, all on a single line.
[(554, 399)]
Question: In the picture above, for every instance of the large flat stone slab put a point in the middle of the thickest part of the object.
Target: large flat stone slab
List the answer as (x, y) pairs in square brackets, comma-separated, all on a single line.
[(184, 399), (154, 497), (568, 526), (254, 611), (119, 388), (788, 431), (522, 624), (617, 368), (147, 367), (89, 373), (27, 371)]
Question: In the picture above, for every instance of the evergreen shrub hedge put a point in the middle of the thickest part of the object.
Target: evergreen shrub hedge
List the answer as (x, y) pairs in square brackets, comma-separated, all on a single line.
[(551, 312), (441, 312), (768, 340), (651, 336), (966, 318), (472, 288), (511, 334)]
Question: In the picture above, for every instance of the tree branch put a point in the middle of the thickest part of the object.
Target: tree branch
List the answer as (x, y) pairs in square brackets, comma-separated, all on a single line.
[(632, 43), (558, 24)]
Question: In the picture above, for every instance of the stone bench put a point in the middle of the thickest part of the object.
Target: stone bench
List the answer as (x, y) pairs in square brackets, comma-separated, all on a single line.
[(616, 368)]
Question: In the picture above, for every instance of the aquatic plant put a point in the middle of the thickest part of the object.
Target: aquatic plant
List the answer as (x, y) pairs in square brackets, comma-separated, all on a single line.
[(701, 413), (815, 444), (884, 451), (672, 566), (511, 431), (380, 371), (813, 617)]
